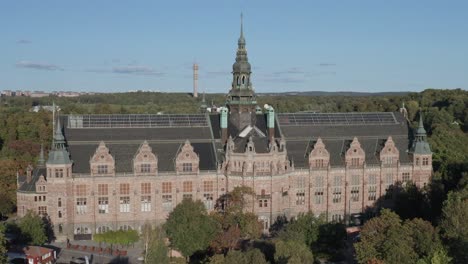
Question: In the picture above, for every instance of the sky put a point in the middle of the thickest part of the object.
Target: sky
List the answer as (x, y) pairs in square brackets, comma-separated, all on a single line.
[(329, 45)]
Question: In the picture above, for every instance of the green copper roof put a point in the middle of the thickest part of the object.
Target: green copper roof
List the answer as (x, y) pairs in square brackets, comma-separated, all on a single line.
[(420, 144), (41, 160), (59, 153)]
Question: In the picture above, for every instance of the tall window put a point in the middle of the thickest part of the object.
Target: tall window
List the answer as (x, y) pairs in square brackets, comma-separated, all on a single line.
[(319, 163), (388, 160), (58, 173), (102, 169), (425, 161), (207, 186), (59, 202), (336, 195), (103, 205), (355, 194), (167, 196), (300, 197), (103, 189), (146, 188), (81, 206), (319, 181), (354, 161), (405, 176), (125, 204), (81, 190), (372, 193), (42, 210), (146, 203), (263, 203), (145, 168), (186, 167), (389, 179), (187, 189), (318, 196), (208, 200), (372, 179), (337, 181), (355, 179), (124, 189)]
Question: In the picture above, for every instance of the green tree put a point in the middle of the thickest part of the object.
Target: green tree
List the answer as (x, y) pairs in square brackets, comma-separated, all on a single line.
[(3, 249), (454, 224), (248, 257), (155, 248), (32, 229), (189, 227), (292, 252)]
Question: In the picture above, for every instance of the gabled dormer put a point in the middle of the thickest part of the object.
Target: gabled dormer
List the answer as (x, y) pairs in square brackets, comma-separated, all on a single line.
[(250, 147), (187, 161), (145, 161), (355, 155), (41, 184), (102, 163), (319, 156), (389, 155)]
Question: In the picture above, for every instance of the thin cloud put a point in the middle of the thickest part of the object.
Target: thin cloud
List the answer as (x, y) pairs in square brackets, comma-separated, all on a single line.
[(217, 73), (282, 80), (23, 41), (136, 70), (38, 66), (327, 64), (292, 70)]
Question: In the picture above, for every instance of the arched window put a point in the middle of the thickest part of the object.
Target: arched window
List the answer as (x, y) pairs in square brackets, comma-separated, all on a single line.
[(59, 202), (238, 81), (243, 79)]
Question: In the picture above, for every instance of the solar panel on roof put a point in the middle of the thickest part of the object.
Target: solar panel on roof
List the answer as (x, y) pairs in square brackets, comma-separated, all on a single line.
[(141, 121), (376, 118)]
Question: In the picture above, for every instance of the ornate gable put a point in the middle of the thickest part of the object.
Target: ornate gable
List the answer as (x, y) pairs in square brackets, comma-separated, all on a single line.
[(187, 160), (145, 161), (319, 156), (41, 184), (389, 153), (355, 155), (102, 162)]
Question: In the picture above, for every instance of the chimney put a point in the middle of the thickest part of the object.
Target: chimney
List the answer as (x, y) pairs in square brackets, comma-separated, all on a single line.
[(195, 80), (29, 170), (224, 124), (271, 123)]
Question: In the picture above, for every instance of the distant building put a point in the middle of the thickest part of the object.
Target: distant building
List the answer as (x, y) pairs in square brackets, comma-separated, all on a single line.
[(110, 172), (33, 255)]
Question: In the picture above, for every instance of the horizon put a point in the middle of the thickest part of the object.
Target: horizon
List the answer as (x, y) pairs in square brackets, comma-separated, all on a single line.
[(115, 47)]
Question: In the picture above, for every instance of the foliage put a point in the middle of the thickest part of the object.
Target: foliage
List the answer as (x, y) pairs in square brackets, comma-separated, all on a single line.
[(33, 229), (454, 224), (386, 238), (119, 237), (189, 227), (155, 249), (292, 252), (239, 257), (3, 249)]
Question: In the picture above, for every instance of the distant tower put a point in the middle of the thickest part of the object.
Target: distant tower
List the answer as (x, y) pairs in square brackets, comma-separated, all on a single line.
[(195, 80)]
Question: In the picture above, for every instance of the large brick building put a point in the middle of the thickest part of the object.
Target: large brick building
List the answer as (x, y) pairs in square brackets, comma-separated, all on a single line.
[(108, 172)]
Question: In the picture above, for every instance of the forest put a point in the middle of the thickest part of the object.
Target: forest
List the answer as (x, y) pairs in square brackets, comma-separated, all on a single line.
[(442, 205)]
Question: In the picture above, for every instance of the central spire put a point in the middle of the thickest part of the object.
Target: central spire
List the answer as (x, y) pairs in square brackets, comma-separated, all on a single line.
[(241, 38), (241, 69)]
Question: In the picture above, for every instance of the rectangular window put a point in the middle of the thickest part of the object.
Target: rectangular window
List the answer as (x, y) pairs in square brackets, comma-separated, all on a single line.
[(263, 203), (336, 195), (125, 204), (417, 161), (337, 218), (146, 188), (372, 193), (300, 197), (319, 163), (301, 183), (145, 168), (337, 181), (103, 189), (167, 202), (186, 167), (103, 205), (42, 210), (405, 176), (388, 160), (354, 161), (355, 179), (187, 186), (124, 188), (389, 179), (319, 181), (425, 161), (372, 179), (167, 187), (318, 196), (102, 169), (207, 186), (187, 196), (146, 203), (208, 201), (81, 190), (81, 206), (58, 173), (355, 194)]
